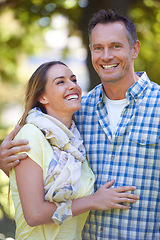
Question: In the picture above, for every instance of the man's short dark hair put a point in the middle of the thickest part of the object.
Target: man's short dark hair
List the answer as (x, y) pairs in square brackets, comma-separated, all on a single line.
[(103, 16)]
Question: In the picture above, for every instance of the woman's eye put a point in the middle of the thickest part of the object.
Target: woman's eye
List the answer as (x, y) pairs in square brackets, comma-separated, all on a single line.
[(60, 82), (74, 80)]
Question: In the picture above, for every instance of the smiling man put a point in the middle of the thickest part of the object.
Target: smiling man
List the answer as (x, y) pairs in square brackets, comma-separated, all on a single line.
[(113, 57), (120, 123)]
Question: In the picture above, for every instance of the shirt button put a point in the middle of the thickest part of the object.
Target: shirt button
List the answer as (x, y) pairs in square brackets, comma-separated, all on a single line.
[(142, 141), (101, 229), (69, 207), (91, 179), (112, 157), (109, 179)]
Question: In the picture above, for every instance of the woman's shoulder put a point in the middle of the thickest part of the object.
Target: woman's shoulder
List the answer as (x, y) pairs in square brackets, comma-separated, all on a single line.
[(29, 129), (30, 132), (39, 145), (29, 126)]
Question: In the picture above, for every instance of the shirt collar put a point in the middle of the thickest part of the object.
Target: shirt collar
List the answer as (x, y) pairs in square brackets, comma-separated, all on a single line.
[(134, 92), (137, 89)]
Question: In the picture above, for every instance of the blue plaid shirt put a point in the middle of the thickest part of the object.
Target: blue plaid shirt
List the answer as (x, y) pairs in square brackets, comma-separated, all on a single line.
[(131, 156)]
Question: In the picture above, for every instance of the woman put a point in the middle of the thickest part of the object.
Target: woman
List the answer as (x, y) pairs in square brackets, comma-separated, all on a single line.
[(56, 166)]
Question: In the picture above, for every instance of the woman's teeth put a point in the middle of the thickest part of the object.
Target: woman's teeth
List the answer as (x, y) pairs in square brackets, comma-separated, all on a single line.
[(70, 97)]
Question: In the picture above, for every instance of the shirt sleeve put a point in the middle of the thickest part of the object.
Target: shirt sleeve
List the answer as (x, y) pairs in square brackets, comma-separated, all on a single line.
[(36, 140)]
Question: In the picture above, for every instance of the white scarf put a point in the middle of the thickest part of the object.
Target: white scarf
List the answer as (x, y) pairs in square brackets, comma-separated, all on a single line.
[(63, 176)]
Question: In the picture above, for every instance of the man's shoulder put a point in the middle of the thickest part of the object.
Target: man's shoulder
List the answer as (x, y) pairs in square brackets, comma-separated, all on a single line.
[(154, 86), (93, 95), (89, 102), (153, 89)]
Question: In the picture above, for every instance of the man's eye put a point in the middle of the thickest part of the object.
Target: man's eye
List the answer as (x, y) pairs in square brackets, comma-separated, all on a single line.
[(117, 46), (97, 48)]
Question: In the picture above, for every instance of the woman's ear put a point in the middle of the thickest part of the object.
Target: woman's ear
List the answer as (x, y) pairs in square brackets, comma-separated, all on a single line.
[(43, 99)]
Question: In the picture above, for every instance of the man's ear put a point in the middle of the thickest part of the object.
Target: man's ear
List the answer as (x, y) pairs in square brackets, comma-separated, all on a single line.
[(43, 100), (135, 49)]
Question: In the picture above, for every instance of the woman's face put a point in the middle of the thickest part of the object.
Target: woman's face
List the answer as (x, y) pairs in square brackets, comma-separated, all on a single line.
[(62, 96)]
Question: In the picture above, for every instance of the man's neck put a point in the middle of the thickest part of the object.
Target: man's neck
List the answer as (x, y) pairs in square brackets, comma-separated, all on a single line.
[(117, 91)]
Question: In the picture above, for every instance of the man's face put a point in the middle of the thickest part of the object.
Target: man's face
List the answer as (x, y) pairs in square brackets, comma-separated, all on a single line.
[(112, 56)]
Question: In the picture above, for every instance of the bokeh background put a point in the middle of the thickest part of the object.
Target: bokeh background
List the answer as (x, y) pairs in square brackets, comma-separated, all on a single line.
[(32, 32)]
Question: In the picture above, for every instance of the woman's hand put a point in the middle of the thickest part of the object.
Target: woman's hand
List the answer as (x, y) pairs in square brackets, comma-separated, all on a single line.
[(110, 198), (9, 148)]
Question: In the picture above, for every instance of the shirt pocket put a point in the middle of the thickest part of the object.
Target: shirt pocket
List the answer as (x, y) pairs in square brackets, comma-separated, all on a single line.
[(142, 138)]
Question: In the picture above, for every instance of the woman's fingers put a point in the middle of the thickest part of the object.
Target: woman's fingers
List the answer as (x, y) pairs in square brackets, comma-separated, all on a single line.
[(125, 188), (122, 193), (109, 184), (126, 197), (119, 189), (120, 206)]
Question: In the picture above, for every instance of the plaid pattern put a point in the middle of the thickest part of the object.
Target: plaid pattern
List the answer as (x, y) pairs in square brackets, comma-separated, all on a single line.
[(131, 157)]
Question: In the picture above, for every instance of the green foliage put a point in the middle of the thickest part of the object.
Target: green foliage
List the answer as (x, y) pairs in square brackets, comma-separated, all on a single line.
[(15, 40), (23, 24), (22, 27), (147, 21), (7, 225)]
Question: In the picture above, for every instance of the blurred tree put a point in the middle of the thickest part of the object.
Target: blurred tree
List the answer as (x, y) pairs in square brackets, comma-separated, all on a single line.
[(33, 18), (146, 16)]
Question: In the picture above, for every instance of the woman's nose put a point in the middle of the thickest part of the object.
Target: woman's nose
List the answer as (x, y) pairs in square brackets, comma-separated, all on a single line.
[(71, 85)]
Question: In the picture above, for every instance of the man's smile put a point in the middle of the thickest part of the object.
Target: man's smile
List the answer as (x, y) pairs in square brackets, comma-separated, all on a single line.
[(110, 66)]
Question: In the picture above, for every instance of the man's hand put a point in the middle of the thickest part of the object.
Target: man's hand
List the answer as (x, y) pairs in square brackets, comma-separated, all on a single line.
[(9, 148)]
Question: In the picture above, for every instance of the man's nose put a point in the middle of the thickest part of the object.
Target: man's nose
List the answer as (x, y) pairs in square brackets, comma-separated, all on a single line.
[(107, 54)]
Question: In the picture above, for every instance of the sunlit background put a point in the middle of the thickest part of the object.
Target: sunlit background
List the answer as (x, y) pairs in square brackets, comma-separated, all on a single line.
[(55, 41), (33, 32)]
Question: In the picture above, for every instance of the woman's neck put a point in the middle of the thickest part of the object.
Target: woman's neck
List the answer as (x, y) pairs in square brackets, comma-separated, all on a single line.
[(66, 120)]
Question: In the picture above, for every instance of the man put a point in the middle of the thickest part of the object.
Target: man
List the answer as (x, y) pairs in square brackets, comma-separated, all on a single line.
[(119, 122)]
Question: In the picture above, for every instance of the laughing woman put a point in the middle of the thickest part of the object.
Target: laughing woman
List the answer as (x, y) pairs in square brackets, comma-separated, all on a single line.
[(52, 189)]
